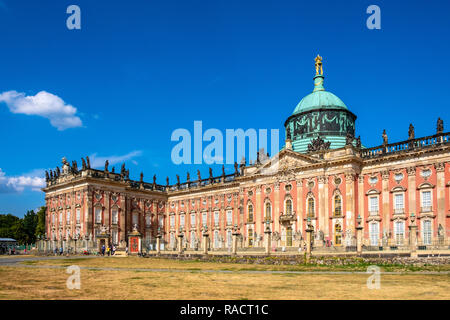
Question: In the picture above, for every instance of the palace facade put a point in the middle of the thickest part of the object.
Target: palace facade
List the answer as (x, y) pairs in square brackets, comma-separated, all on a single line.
[(323, 177)]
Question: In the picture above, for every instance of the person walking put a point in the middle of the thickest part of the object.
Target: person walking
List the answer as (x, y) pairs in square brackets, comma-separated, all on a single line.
[(103, 250), (61, 250)]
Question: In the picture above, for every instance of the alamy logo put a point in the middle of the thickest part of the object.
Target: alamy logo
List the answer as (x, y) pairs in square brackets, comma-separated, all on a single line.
[(74, 280), (191, 146), (374, 20), (74, 20), (373, 282)]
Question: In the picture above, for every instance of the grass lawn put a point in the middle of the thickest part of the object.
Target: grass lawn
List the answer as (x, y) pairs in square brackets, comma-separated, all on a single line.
[(46, 283)]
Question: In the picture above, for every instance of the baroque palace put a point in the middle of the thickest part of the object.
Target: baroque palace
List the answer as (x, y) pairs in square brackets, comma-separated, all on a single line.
[(324, 180)]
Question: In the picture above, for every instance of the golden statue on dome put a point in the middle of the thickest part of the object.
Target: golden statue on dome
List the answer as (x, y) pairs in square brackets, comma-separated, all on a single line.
[(318, 65)]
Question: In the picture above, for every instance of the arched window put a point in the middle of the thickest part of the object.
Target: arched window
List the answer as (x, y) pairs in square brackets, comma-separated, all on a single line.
[(268, 214), (337, 205), (288, 206), (311, 209), (250, 212)]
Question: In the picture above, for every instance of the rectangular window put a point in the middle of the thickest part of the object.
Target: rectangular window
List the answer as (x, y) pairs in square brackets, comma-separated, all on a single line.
[(216, 218), (373, 205), (193, 220), (68, 217), (161, 222), (60, 217), (374, 232), (427, 232), (182, 220), (114, 216), (98, 215), (78, 215), (398, 201), (204, 218), (229, 217), (426, 201), (172, 221), (399, 232), (115, 237)]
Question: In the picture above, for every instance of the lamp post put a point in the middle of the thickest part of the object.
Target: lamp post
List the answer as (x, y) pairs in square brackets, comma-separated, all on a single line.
[(413, 235), (235, 234), (205, 239), (359, 229), (309, 231), (268, 233), (158, 241), (180, 241)]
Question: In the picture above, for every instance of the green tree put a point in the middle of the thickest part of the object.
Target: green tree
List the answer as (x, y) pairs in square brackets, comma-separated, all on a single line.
[(19, 233), (7, 221), (40, 228), (30, 221)]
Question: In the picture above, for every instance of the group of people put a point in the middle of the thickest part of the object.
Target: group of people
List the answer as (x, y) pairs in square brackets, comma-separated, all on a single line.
[(109, 250)]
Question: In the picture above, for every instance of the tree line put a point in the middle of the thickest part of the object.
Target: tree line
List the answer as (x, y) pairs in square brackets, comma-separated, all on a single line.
[(25, 230)]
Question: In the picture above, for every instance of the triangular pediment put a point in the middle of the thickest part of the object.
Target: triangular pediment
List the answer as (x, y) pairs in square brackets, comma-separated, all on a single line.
[(286, 160)]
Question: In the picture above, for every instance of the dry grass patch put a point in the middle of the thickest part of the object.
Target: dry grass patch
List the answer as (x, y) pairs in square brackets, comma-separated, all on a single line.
[(33, 283), (161, 263)]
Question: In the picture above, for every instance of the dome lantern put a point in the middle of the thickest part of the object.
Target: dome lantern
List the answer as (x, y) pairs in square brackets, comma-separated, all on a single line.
[(320, 114)]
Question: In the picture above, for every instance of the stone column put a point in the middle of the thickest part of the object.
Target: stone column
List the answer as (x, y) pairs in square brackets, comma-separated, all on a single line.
[(412, 189), (259, 226), (180, 243), (323, 216), (158, 243), (235, 235), (385, 203), (440, 192), (359, 236), (413, 236), (268, 238), (122, 222), (309, 234), (205, 242)]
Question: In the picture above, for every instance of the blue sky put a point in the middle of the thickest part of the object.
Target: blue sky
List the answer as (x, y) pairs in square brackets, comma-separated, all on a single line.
[(138, 70)]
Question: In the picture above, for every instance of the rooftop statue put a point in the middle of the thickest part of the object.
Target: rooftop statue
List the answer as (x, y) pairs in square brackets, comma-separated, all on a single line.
[(113, 169), (47, 177), (188, 177), (178, 180), (319, 69), (358, 142), (223, 170), (236, 172), (74, 167), (83, 164), (288, 133), (210, 173), (106, 165), (198, 175), (167, 181), (88, 162), (349, 139), (440, 126), (142, 177), (385, 137), (318, 144), (154, 179), (411, 132)]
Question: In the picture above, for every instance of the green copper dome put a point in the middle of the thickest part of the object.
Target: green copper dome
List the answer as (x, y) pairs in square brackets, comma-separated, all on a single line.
[(319, 99), (320, 118)]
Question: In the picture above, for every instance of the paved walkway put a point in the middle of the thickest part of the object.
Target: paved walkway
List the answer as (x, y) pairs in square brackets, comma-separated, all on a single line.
[(17, 262)]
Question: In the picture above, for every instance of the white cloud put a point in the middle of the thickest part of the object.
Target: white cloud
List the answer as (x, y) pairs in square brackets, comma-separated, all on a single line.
[(44, 104), (97, 161), (33, 180)]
